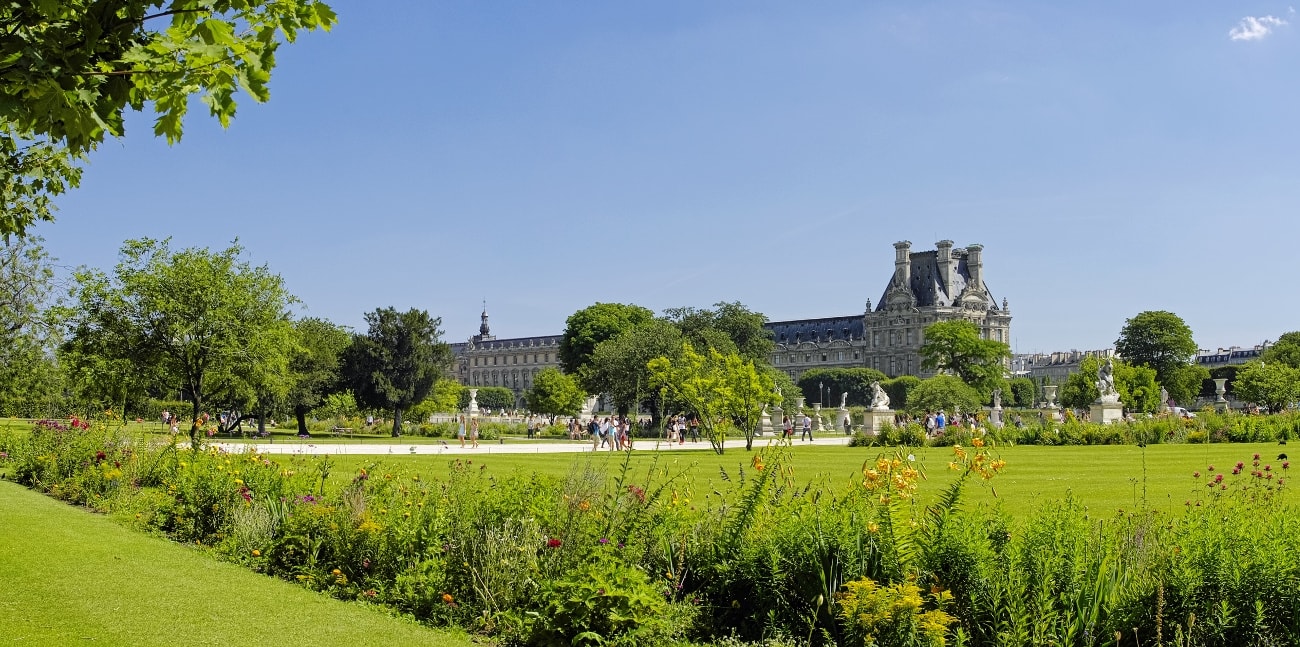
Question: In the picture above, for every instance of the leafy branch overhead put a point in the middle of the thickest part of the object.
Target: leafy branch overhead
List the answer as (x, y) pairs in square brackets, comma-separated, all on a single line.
[(69, 69)]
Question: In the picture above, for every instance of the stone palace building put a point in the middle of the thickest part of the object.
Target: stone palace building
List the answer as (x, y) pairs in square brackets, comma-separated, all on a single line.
[(942, 284)]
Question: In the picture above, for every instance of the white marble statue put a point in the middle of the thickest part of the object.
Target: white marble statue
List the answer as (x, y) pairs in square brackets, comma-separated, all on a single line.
[(1106, 382), (997, 398), (879, 399), (844, 400)]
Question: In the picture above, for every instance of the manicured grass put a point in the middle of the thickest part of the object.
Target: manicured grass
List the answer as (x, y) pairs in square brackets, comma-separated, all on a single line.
[(72, 577), (1106, 478)]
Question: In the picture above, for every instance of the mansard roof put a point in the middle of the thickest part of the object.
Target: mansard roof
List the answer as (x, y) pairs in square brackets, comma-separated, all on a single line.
[(927, 281), (823, 329)]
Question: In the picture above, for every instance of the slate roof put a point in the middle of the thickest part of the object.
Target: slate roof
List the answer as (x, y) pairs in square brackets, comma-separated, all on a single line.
[(819, 330), (927, 283)]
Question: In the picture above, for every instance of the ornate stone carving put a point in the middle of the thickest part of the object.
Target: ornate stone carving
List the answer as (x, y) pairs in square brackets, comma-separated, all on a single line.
[(1106, 383), (879, 399)]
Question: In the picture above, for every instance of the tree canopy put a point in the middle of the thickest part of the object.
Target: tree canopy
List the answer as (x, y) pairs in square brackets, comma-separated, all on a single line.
[(396, 363), (314, 365), (956, 347), (943, 393), (70, 69), (1161, 340), (204, 323), (586, 328), (28, 376), (1285, 350), (728, 327), (618, 366), (555, 394), (1271, 384)]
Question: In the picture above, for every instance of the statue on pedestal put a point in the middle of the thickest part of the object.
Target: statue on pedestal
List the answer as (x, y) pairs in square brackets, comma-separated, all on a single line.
[(1106, 383), (997, 398), (844, 400), (879, 399)]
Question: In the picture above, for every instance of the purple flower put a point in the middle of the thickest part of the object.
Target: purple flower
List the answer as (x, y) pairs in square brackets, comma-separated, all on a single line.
[(604, 540)]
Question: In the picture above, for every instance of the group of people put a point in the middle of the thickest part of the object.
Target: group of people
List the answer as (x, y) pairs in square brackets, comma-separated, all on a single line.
[(804, 422), (472, 428), (615, 433), (677, 427)]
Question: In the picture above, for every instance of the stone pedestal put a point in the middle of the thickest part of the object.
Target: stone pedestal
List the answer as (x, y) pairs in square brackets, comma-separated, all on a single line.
[(1051, 413), (473, 403), (995, 417), (588, 408), (877, 419), (765, 422), (778, 414), (842, 415), (1106, 412), (817, 417)]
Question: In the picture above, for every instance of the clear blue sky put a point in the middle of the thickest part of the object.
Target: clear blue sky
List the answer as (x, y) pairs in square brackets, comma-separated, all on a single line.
[(1112, 157)]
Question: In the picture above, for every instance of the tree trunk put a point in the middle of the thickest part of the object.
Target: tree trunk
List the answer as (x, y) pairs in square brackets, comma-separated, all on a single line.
[(195, 439), (300, 413), (397, 422), (261, 423)]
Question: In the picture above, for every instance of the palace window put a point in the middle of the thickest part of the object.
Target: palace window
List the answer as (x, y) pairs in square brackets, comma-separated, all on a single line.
[(494, 360), (823, 357)]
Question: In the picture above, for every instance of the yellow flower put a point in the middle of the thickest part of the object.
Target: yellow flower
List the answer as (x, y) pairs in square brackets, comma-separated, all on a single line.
[(336, 572), (257, 553)]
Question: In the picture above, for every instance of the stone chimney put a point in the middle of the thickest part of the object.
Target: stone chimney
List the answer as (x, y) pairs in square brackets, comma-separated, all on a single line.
[(975, 263), (903, 263), (947, 264)]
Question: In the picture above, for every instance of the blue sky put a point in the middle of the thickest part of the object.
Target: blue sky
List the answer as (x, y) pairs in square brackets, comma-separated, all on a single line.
[(1112, 157)]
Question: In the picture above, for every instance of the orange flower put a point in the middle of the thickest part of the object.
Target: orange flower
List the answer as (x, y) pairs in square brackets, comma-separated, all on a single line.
[(757, 462), (446, 597)]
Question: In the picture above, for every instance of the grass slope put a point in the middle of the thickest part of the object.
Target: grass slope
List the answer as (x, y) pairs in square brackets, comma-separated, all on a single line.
[(72, 577)]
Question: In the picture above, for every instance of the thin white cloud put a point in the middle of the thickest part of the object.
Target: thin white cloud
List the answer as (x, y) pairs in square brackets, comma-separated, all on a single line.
[(1252, 28)]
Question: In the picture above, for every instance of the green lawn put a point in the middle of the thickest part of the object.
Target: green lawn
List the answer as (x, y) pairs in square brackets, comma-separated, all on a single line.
[(1105, 478), (71, 577)]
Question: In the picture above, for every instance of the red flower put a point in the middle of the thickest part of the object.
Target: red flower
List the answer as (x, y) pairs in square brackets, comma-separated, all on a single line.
[(553, 543), (1218, 478)]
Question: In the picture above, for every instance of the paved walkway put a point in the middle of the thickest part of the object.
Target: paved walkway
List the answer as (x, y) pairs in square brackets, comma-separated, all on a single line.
[(452, 447)]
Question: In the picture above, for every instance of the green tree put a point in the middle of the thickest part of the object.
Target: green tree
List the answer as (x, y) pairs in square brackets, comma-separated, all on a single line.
[(1024, 392), (396, 363), (729, 326), (956, 347), (555, 394), (29, 378), (898, 389), (834, 381), (586, 328), (1271, 384), (1187, 382), (943, 392), (1136, 385), (1161, 340), (618, 367), (1285, 350), (719, 389), (70, 69), (205, 324), (314, 365)]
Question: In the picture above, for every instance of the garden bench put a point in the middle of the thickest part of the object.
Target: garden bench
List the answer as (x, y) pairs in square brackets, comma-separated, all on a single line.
[(341, 431)]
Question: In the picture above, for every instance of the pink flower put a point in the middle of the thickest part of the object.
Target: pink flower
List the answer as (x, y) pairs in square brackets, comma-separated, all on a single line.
[(1196, 475), (1218, 478)]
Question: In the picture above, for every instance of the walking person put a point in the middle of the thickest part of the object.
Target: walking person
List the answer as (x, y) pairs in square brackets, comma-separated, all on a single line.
[(787, 428), (473, 433), (807, 429), (460, 433), (694, 426)]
